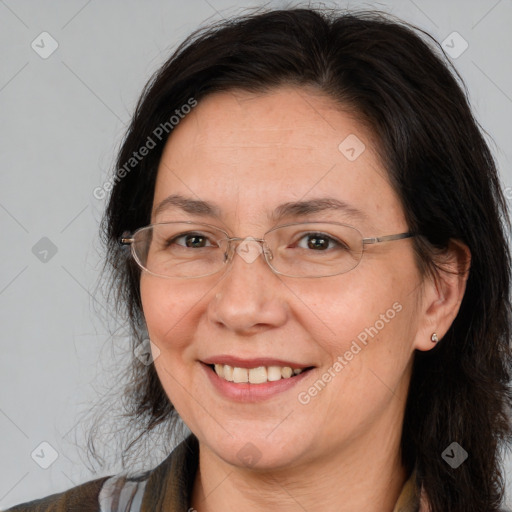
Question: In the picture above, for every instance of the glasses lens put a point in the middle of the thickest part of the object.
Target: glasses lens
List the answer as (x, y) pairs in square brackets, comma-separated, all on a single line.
[(180, 249), (315, 249)]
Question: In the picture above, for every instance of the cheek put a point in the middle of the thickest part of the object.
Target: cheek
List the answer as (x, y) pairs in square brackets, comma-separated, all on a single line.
[(382, 333), (169, 314), (168, 307), (369, 320), (371, 355), (351, 305)]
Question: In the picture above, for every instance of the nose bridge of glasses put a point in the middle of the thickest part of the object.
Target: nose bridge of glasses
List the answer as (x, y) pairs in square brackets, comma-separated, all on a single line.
[(248, 248)]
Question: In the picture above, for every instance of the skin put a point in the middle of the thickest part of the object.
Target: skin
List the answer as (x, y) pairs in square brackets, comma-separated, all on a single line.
[(250, 153)]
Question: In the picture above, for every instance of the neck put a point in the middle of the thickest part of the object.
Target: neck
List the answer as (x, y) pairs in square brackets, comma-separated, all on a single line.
[(366, 474)]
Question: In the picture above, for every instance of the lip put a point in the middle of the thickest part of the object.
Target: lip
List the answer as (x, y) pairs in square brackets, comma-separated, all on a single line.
[(252, 363), (251, 393)]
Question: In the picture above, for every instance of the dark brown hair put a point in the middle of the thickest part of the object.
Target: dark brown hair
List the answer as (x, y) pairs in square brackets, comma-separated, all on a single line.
[(398, 82)]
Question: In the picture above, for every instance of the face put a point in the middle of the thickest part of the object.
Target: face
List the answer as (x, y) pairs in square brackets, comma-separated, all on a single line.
[(353, 334)]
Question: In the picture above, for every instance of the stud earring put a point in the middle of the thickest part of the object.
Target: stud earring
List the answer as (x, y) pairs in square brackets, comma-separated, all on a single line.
[(434, 338)]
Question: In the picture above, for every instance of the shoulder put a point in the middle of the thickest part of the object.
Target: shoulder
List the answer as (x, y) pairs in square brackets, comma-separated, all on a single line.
[(108, 494), (77, 499), (166, 487)]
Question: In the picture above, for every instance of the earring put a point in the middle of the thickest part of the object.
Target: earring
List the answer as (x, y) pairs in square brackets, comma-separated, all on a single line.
[(434, 338)]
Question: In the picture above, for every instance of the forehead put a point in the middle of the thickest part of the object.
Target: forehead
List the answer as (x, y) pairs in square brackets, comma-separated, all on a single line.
[(251, 152), (284, 117)]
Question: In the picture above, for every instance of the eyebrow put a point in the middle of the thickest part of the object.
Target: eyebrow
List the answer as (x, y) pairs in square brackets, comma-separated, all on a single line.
[(302, 208), (188, 205), (285, 210)]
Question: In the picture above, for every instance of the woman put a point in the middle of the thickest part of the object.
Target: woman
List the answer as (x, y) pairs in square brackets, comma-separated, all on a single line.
[(318, 257)]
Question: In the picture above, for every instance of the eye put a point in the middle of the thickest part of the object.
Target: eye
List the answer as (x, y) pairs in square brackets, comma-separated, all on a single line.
[(320, 242), (191, 240)]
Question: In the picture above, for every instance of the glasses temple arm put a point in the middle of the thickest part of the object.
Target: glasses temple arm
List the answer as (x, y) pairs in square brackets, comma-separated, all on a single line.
[(387, 238)]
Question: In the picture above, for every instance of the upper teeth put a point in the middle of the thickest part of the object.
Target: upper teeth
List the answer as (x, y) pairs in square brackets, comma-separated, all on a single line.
[(255, 375)]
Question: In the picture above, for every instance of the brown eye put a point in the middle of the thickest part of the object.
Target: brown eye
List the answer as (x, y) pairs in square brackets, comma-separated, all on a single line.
[(195, 241), (318, 242), (192, 240)]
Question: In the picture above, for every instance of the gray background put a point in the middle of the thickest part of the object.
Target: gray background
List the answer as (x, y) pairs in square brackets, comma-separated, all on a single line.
[(63, 118)]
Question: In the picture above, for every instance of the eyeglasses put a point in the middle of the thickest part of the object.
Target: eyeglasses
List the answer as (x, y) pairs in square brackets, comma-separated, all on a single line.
[(192, 250)]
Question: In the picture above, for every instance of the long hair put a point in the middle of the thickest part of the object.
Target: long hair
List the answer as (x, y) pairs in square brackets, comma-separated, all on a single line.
[(397, 81)]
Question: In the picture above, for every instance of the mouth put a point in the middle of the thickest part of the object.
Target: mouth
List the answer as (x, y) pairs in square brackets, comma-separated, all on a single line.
[(253, 380), (256, 375)]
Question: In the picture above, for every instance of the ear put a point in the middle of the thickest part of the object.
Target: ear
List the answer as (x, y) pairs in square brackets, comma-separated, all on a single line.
[(442, 294)]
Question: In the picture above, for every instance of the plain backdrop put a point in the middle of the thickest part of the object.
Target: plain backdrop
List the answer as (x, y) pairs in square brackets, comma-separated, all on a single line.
[(63, 116)]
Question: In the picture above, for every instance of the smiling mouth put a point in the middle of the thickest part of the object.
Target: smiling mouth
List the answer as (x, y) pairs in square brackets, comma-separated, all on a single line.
[(258, 375)]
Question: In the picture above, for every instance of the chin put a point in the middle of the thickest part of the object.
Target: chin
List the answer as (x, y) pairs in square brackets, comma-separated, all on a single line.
[(252, 451)]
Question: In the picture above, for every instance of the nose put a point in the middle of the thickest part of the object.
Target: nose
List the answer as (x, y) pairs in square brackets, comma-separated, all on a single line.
[(249, 297)]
